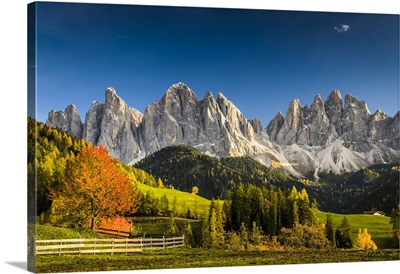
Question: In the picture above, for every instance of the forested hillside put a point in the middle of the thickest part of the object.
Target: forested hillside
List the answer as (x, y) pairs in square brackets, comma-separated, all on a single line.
[(184, 167), (49, 150), (49, 156), (373, 188)]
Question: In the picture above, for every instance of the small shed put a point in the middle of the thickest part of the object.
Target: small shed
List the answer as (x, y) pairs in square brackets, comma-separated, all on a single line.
[(375, 212)]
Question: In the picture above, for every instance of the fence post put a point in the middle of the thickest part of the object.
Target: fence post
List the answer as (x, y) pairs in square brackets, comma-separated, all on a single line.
[(59, 250), (126, 246), (112, 247), (183, 240), (163, 240)]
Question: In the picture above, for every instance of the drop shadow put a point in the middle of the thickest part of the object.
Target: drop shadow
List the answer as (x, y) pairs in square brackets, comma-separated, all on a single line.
[(21, 265)]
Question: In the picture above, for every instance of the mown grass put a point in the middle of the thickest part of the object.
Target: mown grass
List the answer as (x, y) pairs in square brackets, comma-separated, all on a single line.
[(46, 232), (192, 201), (187, 258), (378, 226)]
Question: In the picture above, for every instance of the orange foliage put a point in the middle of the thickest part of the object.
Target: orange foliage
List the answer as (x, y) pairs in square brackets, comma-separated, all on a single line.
[(117, 223), (93, 188)]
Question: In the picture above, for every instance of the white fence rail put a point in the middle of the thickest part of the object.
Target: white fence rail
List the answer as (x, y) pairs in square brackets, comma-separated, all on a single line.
[(93, 246)]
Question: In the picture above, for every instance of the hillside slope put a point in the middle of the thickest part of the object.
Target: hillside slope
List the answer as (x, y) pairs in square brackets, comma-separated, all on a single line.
[(185, 167)]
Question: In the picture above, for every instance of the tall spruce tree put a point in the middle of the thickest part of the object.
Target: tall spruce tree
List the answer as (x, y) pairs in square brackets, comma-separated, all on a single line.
[(329, 229), (395, 223), (273, 213), (343, 239), (215, 227)]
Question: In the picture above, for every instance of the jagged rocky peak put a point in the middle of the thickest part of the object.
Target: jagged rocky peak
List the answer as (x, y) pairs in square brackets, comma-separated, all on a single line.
[(112, 97), (76, 126), (179, 91), (117, 104), (92, 125), (380, 127), (351, 102), (334, 108), (379, 116), (275, 125), (335, 96), (179, 100), (68, 120), (316, 130), (288, 132), (209, 102), (236, 122), (256, 124), (208, 95), (223, 103), (318, 104), (355, 118), (118, 130), (111, 90)]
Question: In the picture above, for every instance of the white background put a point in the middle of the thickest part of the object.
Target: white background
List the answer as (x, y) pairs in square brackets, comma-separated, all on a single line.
[(13, 113)]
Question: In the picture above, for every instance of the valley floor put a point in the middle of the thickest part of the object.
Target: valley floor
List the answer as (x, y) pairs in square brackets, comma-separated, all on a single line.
[(195, 258)]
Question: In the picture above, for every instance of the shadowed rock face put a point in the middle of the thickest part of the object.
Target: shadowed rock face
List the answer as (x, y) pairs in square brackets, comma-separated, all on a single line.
[(323, 137), (68, 120), (333, 110)]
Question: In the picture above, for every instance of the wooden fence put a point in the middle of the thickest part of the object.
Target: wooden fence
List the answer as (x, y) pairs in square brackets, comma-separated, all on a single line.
[(113, 233), (93, 246)]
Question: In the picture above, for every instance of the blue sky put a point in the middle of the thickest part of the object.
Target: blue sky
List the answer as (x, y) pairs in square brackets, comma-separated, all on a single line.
[(260, 60)]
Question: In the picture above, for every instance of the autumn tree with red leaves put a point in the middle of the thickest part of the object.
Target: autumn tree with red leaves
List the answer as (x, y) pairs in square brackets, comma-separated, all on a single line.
[(93, 188)]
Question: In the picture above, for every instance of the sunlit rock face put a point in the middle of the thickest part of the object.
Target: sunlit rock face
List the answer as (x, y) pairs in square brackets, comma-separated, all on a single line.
[(67, 120)]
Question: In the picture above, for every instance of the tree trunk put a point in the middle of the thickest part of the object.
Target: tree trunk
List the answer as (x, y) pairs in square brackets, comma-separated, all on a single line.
[(93, 224)]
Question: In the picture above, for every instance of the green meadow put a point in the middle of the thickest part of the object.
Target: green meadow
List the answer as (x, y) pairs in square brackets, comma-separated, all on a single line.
[(184, 199), (378, 226)]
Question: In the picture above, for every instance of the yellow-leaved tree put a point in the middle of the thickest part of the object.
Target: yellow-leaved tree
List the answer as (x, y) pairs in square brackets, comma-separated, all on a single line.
[(364, 240), (93, 187)]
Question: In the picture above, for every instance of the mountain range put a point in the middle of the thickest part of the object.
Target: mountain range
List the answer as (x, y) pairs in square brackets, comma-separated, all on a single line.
[(331, 136)]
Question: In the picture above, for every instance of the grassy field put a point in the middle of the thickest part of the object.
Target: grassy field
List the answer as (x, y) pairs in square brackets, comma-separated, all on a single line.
[(378, 226), (199, 257), (185, 257), (191, 201), (45, 232)]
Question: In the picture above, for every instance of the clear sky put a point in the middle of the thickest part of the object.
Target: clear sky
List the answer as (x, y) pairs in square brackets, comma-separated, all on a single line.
[(260, 60)]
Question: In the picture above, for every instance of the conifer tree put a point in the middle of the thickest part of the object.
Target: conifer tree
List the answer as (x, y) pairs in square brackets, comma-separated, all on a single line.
[(342, 235), (174, 207), (244, 236), (395, 223), (294, 207), (172, 227), (295, 213), (255, 234), (273, 213), (227, 210), (329, 230), (164, 206), (188, 233), (215, 229)]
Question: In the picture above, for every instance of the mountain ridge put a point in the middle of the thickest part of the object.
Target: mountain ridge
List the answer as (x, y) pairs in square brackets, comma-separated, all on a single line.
[(327, 136)]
